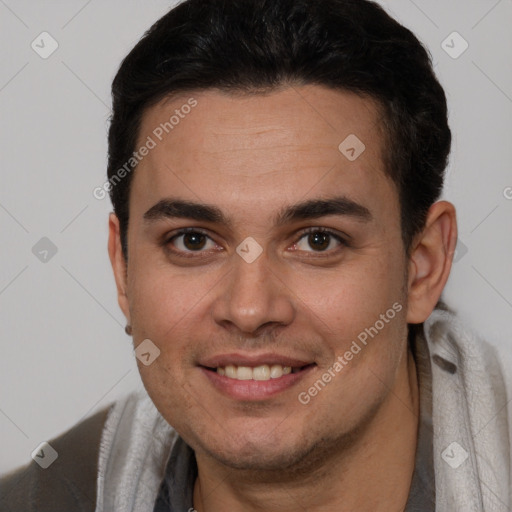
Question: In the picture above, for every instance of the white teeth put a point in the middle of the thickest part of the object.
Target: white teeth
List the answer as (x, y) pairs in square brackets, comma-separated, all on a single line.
[(276, 371), (244, 373), (262, 372), (231, 371), (285, 370)]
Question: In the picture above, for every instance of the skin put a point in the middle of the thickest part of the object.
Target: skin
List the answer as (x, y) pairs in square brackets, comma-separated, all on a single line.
[(352, 447)]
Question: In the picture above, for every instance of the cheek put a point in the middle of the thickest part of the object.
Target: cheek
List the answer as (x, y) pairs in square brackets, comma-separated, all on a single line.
[(162, 296), (354, 295), (162, 306), (359, 312)]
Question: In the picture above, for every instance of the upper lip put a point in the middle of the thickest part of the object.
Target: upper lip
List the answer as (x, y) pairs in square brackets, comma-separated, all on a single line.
[(238, 359)]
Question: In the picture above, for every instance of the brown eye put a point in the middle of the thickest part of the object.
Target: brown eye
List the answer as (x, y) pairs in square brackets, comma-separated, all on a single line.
[(320, 240), (187, 241), (194, 241)]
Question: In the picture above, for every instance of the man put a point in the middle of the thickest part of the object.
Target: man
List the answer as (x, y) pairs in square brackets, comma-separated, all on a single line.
[(279, 251)]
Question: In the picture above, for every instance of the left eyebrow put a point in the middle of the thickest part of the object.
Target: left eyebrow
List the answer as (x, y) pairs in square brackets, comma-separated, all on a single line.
[(312, 209), (317, 208)]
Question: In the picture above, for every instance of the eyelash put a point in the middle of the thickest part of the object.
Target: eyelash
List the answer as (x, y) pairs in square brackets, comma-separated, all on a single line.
[(197, 254)]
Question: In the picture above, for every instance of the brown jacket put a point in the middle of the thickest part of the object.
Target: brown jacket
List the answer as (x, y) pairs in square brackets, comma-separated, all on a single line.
[(69, 483)]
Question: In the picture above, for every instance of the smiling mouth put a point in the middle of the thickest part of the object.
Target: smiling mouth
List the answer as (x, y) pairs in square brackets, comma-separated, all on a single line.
[(262, 372)]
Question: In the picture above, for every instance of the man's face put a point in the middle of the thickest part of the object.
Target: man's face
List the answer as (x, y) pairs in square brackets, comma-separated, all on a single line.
[(302, 302)]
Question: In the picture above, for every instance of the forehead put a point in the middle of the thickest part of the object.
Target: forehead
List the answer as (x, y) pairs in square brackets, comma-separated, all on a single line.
[(290, 116), (237, 149)]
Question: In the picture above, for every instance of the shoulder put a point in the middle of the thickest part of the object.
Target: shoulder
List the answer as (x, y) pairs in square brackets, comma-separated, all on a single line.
[(471, 389), (69, 483), (462, 347)]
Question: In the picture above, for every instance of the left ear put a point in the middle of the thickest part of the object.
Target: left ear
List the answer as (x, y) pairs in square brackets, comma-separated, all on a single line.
[(430, 261)]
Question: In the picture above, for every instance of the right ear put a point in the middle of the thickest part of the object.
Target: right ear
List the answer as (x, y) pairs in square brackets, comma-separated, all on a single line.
[(118, 263)]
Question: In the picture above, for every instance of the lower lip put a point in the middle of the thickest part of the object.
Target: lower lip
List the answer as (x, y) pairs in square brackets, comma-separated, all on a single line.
[(254, 389)]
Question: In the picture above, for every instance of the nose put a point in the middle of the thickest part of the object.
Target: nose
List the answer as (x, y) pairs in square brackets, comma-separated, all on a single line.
[(253, 297)]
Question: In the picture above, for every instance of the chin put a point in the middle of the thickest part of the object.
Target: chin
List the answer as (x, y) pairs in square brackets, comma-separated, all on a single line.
[(263, 450), (259, 458)]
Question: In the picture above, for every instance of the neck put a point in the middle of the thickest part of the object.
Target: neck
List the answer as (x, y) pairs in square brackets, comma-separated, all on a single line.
[(372, 472)]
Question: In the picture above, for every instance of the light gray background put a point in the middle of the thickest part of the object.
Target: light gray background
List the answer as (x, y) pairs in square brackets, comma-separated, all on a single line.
[(64, 353)]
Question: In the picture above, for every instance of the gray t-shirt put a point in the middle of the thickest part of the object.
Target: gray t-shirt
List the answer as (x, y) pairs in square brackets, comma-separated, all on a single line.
[(176, 489)]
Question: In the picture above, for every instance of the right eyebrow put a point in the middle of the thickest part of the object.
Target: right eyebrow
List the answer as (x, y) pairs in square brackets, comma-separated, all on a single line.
[(177, 208)]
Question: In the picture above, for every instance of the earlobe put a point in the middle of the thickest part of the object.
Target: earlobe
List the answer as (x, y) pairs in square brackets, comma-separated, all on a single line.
[(431, 260), (118, 263)]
